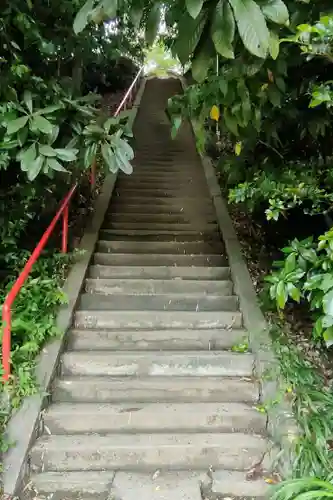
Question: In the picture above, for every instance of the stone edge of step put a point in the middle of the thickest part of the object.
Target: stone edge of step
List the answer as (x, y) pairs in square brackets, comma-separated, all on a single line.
[(101, 485), (24, 426), (281, 422)]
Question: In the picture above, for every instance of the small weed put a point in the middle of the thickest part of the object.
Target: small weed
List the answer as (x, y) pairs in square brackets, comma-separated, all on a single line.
[(241, 347)]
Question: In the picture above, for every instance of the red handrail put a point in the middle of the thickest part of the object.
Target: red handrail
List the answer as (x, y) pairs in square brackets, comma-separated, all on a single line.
[(62, 211)]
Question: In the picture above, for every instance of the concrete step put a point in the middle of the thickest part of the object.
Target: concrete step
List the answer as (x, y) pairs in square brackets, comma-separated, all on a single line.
[(149, 302), (161, 247), (137, 181), (147, 452), (163, 273), (166, 218), (166, 192), (157, 363), (119, 206), (159, 287), (132, 259), (88, 418), (147, 320), (154, 340), (198, 226), (151, 389), (165, 235), (99, 485), (86, 485), (180, 201)]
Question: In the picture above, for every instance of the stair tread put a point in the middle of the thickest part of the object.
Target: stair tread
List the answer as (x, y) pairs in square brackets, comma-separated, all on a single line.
[(237, 451), (163, 389), (158, 319), (158, 363), (159, 272), (155, 339), (160, 486)]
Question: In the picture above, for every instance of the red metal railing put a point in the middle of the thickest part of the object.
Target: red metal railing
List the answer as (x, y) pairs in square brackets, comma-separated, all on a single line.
[(63, 212)]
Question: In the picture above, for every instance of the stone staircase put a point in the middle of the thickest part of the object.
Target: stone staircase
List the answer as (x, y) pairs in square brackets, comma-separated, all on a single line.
[(152, 401)]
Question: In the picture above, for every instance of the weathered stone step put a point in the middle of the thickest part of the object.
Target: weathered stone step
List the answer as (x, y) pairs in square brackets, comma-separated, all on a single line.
[(150, 389), (158, 287), (161, 247), (161, 302), (166, 218), (157, 363), (160, 320), (135, 181), (155, 272), (88, 418), (185, 202), (148, 452), (199, 226), (122, 207), (123, 259), (106, 485), (166, 192), (85, 485), (165, 235), (154, 340)]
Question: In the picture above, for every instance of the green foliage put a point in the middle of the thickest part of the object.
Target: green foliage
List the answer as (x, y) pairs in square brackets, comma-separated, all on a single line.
[(305, 488), (306, 274), (312, 403)]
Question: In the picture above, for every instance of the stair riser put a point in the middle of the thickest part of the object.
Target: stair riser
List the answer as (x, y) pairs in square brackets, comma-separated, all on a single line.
[(146, 459), (156, 218), (127, 302), (157, 321), (159, 260), (157, 287), (165, 273), (164, 340), (162, 389), (215, 364), (158, 247), (125, 208), (139, 419), (147, 235)]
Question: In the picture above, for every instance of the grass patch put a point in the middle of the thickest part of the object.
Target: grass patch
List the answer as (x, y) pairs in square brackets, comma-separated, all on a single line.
[(33, 324)]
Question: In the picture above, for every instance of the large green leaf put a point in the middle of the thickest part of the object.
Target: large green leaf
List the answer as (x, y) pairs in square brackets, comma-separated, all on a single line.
[(153, 22), (82, 17), (110, 8), (55, 165), (16, 125), (276, 11), (223, 29), (123, 162), (34, 168), (28, 155), (46, 150), (202, 62), (190, 31), (27, 97), (194, 7), (67, 154), (274, 44), (251, 26), (42, 124), (109, 157)]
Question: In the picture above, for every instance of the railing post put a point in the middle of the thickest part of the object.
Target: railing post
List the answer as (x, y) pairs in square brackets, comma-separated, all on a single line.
[(6, 319), (65, 230)]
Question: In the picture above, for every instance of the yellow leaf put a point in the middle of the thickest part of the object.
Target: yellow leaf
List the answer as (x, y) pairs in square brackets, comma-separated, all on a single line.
[(264, 87), (238, 148), (215, 113)]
